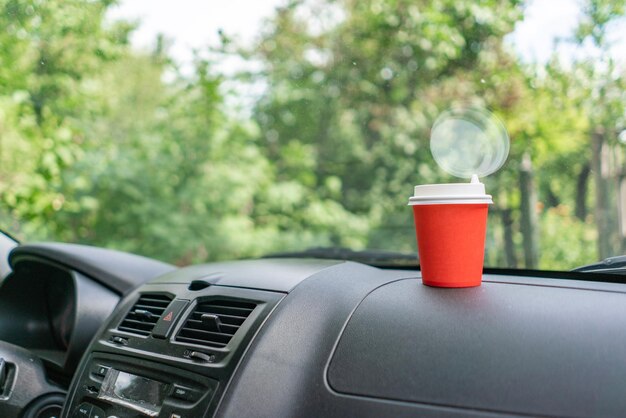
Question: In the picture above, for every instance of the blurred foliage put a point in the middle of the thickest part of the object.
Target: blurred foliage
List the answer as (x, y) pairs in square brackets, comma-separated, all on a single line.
[(104, 145)]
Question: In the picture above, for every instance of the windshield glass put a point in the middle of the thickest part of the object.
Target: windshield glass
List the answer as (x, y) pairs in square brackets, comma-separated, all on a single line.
[(192, 131)]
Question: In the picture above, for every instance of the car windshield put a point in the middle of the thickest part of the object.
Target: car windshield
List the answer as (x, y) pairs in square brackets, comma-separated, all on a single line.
[(193, 131)]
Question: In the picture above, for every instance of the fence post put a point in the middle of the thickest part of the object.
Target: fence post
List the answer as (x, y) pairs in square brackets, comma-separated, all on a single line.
[(600, 169), (528, 207)]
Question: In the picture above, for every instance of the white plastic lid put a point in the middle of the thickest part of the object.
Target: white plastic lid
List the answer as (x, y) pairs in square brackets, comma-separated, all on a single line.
[(452, 193)]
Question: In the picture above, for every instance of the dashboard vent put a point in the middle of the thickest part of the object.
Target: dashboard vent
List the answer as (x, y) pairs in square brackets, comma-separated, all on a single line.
[(145, 314), (213, 323)]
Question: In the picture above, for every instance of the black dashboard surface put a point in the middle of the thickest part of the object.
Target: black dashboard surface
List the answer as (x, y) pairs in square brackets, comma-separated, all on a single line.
[(345, 339), (52, 303), (358, 341), (58, 295), (278, 275), (499, 347), (119, 271)]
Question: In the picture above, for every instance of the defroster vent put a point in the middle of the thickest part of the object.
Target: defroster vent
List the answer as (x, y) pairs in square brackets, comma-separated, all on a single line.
[(145, 314), (213, 323)]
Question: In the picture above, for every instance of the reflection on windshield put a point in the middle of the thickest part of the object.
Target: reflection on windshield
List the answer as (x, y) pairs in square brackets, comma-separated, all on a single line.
[(314, 134)]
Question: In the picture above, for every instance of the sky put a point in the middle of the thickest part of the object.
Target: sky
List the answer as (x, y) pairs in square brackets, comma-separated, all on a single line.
[(192, 24)]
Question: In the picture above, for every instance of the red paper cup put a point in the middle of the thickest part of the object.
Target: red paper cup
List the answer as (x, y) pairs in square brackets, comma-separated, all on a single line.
[(451, 224)]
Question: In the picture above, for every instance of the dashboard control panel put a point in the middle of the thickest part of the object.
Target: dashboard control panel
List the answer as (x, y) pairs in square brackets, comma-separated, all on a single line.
[(123, 387), (168, 351)]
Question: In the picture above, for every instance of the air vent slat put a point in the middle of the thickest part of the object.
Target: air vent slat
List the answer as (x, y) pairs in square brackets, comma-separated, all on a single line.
[(225, 328), (232, 303), (155, 309), (142, 318), (200, 342), (242, 312), (139, 324), (157, 301), (207, 335), (214, 322), (144, 314), (133, 330), (227, 319)]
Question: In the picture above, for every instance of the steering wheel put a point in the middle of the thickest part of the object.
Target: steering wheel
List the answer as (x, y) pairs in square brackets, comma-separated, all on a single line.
[(24, 389)]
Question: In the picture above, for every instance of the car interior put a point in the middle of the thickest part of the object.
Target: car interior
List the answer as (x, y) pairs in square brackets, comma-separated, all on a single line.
[(312, 208), (101, 333)]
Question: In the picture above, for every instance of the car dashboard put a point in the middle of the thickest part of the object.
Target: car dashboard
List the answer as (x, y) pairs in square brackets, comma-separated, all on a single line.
[(306, 337)]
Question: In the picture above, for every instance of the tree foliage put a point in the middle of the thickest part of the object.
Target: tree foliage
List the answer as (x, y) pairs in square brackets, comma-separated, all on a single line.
[(105, 145)]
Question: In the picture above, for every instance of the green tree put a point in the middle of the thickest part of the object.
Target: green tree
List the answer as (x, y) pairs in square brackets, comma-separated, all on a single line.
[(356, 98), (46, 49)]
